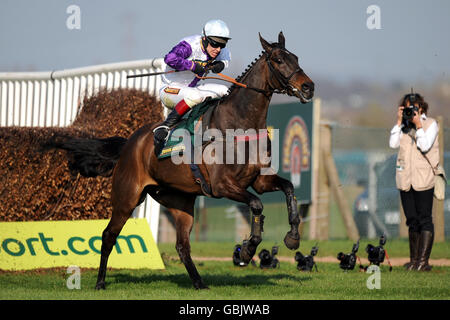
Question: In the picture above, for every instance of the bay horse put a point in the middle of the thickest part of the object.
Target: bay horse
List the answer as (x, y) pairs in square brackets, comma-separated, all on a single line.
[(137, 171)]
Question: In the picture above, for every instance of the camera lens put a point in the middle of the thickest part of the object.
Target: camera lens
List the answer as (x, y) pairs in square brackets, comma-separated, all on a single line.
[(264, 255)]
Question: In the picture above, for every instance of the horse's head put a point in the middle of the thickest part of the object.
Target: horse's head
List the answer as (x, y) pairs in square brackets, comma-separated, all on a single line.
[(286, 76)]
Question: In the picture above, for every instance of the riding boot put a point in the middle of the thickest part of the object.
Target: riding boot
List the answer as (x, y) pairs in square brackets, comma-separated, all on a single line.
[(426, 243), (414, 238), (161, 132)]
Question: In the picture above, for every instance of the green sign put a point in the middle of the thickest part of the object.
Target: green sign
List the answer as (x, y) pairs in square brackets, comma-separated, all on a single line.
[(294, 123)]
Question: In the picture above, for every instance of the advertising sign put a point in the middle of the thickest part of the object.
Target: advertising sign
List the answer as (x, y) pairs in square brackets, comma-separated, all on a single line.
[(48, 244)]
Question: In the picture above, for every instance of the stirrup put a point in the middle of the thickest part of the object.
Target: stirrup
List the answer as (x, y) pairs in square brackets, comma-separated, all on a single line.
[(167, 130), (161, 127)]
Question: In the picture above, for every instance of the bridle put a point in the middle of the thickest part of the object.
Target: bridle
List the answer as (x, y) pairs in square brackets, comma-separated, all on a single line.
[(280, 78), (283, 81)]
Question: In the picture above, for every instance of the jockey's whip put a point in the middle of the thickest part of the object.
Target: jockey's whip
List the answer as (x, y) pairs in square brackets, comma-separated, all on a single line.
[(152, 74), (221, 76)]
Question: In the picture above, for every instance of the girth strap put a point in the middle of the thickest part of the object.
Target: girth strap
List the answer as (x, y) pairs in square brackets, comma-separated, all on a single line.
[(206, 189)]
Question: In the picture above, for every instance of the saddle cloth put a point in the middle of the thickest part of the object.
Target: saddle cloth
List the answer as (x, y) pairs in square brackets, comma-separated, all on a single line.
[(200, 115)]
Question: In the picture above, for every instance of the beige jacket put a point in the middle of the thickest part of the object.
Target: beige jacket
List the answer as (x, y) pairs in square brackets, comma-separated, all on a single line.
[(412, 169)]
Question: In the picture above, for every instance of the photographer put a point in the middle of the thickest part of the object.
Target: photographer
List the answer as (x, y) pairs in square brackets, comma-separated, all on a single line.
[(415, 136)]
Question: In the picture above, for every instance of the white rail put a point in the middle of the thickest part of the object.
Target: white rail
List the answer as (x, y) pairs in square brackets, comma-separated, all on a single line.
[(53, 99)]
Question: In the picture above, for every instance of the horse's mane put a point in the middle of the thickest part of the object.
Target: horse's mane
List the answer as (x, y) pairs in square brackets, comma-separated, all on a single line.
[(239, 78)]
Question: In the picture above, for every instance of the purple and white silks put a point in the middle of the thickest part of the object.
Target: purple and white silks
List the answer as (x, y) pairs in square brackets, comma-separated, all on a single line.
[(181, 58)]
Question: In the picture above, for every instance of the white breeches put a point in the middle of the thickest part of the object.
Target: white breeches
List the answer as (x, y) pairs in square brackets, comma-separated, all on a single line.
[(170, 95)]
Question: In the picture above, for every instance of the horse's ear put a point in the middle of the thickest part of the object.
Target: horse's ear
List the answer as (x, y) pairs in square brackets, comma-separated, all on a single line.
[(266, 46), (281, 40)]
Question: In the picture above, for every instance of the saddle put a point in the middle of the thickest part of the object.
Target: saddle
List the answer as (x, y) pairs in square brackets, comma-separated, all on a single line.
[(197, 119)]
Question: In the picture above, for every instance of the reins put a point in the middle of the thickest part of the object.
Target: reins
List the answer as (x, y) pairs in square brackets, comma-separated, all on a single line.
[(282, 80), (274, 73), (226, 78)]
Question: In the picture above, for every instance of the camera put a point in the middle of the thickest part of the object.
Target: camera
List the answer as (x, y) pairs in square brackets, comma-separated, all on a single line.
[(408, 113), (377, 254), (306, 263), (268, 260), (348, 261), (237, 257)]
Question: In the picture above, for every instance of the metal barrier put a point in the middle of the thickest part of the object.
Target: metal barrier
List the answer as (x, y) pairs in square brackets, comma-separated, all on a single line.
[(53, 99)]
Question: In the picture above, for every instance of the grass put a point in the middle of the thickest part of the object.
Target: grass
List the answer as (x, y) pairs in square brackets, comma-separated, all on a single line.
[(229, 282)]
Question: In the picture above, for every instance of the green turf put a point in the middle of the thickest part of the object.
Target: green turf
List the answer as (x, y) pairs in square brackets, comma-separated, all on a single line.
[(229, 282)]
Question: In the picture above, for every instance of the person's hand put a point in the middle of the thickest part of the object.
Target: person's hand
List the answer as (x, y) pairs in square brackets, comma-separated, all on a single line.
[(416, 120), (216, 66), (198, 69), (400, 115)]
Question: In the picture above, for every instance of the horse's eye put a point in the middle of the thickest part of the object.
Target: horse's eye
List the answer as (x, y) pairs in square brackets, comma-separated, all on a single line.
[(278, 60)]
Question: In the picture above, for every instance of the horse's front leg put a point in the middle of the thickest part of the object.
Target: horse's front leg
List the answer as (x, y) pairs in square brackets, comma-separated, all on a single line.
[(269, 183)]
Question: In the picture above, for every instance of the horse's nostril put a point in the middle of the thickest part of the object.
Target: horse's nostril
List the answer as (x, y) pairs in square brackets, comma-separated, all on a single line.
[(307, 86)]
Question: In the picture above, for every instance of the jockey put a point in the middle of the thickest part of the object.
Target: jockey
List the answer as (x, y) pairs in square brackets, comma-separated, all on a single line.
[(194, 55)]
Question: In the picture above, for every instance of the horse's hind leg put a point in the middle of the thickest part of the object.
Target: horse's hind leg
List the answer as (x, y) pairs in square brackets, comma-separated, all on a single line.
[(123, 206), (109, 237), (181, 206), (268, 183)]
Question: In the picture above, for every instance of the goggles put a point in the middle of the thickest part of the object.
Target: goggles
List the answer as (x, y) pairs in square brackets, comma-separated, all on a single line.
[(215, 44)]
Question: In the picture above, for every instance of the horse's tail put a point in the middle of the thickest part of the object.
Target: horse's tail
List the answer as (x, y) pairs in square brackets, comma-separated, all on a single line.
[(89, 157)]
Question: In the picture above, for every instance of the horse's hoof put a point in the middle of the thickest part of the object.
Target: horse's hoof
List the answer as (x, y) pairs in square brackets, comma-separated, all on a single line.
[(246, 255), (100, 286), (292, 242), (200, 286)]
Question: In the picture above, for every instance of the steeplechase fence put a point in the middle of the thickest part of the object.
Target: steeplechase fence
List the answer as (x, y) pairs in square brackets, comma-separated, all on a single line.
[(53, 99)]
